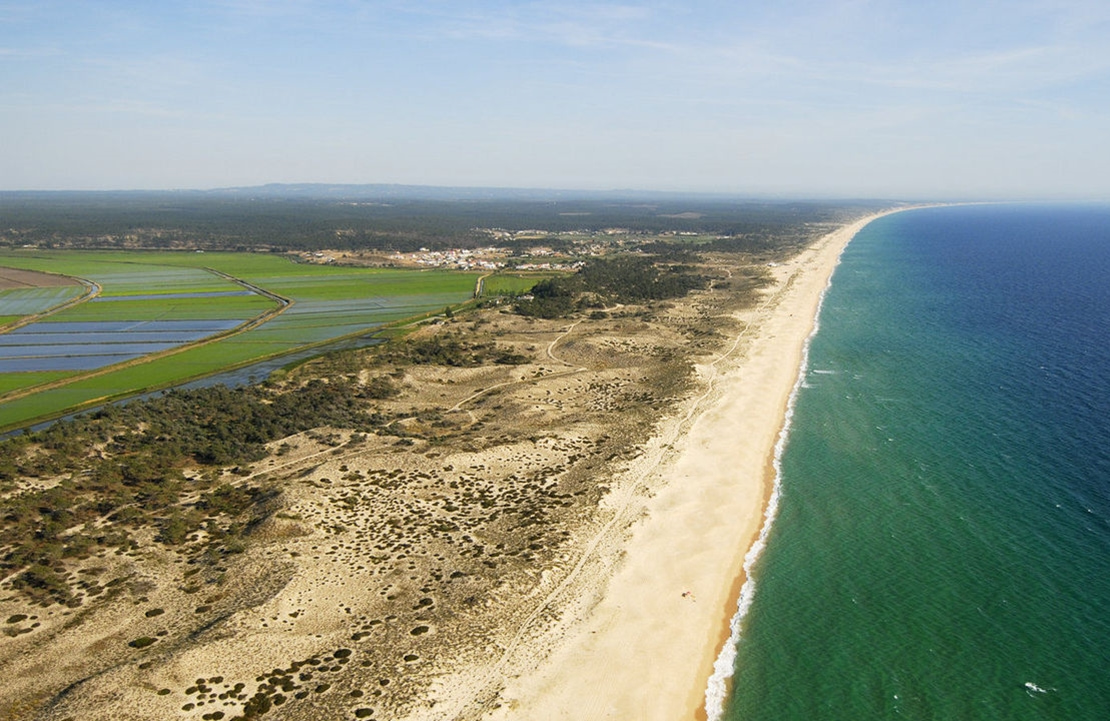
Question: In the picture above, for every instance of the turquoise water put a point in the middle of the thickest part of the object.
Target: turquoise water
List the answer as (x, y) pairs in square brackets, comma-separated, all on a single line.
[(942, 544)]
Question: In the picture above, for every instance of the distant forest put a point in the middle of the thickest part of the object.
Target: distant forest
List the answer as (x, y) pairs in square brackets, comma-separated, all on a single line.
[(282, 218)]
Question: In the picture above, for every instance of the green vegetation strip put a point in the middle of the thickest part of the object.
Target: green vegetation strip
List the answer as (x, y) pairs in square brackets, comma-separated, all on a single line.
[(14, 381), (169, 308)]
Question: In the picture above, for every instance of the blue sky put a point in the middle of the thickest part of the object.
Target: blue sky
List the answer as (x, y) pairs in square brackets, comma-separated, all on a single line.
[(844, 98)]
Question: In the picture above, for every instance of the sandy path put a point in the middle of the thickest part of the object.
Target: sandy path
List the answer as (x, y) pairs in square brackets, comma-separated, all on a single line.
[(646, 650)]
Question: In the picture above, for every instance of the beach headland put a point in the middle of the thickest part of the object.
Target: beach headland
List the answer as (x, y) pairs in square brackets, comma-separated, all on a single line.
[(648, 646)]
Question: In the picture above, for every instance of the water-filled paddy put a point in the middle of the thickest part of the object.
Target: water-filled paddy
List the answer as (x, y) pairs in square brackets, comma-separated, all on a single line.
[(176, 297), (81, 349), (173, 296), (145, 326), (64, 363), (94, 339), (47, 346), (26, 301)]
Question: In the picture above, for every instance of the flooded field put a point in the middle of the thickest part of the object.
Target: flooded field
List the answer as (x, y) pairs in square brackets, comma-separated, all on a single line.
[(27, 301), (161, 319)]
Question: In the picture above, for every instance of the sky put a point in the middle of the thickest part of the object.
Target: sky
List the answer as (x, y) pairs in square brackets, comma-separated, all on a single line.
[(965, 99)]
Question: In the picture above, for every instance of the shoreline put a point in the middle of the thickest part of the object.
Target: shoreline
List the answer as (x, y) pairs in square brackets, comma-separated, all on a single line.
[(719, 682), (672, 597)]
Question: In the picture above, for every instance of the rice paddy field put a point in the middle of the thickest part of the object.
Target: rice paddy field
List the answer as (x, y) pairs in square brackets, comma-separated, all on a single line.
[(156, 319)]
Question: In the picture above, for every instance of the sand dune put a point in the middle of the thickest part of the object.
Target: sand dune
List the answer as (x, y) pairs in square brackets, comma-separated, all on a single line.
[(646, 649)]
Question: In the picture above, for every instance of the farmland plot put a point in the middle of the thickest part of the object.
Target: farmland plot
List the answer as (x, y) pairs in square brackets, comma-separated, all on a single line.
[(164, 318), (18, 302), (64, 346)]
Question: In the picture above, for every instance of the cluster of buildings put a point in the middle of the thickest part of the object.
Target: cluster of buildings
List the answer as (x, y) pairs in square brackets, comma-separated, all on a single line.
[(491, 258), (460, 258)]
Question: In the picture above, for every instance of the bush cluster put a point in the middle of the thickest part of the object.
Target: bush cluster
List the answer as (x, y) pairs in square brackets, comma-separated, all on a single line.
[(622, 279), (125, 472)]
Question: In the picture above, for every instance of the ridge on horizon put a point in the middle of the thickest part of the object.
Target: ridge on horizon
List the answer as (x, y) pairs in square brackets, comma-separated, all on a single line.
[(403, 191)]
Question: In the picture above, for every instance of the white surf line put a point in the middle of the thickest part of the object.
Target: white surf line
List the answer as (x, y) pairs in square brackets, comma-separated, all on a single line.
[(716, 691)]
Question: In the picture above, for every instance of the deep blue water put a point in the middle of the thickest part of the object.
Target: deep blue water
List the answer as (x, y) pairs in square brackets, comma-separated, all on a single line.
[(942, 548)]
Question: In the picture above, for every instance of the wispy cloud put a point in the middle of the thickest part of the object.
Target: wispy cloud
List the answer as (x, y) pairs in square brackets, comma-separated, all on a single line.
[(787, 82), (30, 51), (571, 24), (151, 71)]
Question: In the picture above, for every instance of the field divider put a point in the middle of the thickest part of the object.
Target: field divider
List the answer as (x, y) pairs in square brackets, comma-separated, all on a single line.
[(284, 304), (478, 286)]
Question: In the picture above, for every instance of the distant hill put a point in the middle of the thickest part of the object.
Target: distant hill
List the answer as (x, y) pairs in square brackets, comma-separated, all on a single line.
[(393, 191), (388, 217), (372, 191)]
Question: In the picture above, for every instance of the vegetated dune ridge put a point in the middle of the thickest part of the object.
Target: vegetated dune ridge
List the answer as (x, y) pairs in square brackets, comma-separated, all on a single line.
[(557, 537)]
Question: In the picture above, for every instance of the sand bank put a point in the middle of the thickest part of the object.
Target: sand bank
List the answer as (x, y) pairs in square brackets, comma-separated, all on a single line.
[(646, 649)]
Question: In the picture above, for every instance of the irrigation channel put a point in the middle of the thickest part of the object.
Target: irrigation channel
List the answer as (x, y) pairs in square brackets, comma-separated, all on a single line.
[(242, 376)]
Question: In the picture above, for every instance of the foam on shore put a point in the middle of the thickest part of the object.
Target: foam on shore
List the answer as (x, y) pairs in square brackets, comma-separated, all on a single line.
[(716, 691)]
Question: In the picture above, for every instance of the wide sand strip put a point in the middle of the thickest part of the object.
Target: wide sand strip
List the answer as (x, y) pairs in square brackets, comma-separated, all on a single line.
[(646, 650)]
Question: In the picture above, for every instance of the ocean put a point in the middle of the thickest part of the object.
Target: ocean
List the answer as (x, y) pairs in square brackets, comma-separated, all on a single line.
[(941, 548)]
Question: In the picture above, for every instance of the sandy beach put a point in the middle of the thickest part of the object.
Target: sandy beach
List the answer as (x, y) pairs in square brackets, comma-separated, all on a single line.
[(693, 504)]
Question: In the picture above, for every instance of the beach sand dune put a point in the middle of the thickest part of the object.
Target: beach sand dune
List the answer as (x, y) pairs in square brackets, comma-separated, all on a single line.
[(641, 624)]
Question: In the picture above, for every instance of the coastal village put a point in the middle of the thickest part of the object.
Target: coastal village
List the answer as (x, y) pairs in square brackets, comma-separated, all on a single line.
[(540, 256)]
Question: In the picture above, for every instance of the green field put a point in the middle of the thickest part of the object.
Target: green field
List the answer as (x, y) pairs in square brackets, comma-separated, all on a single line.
[(168, 308), (511, 283), (324, 303), (15, 381)]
